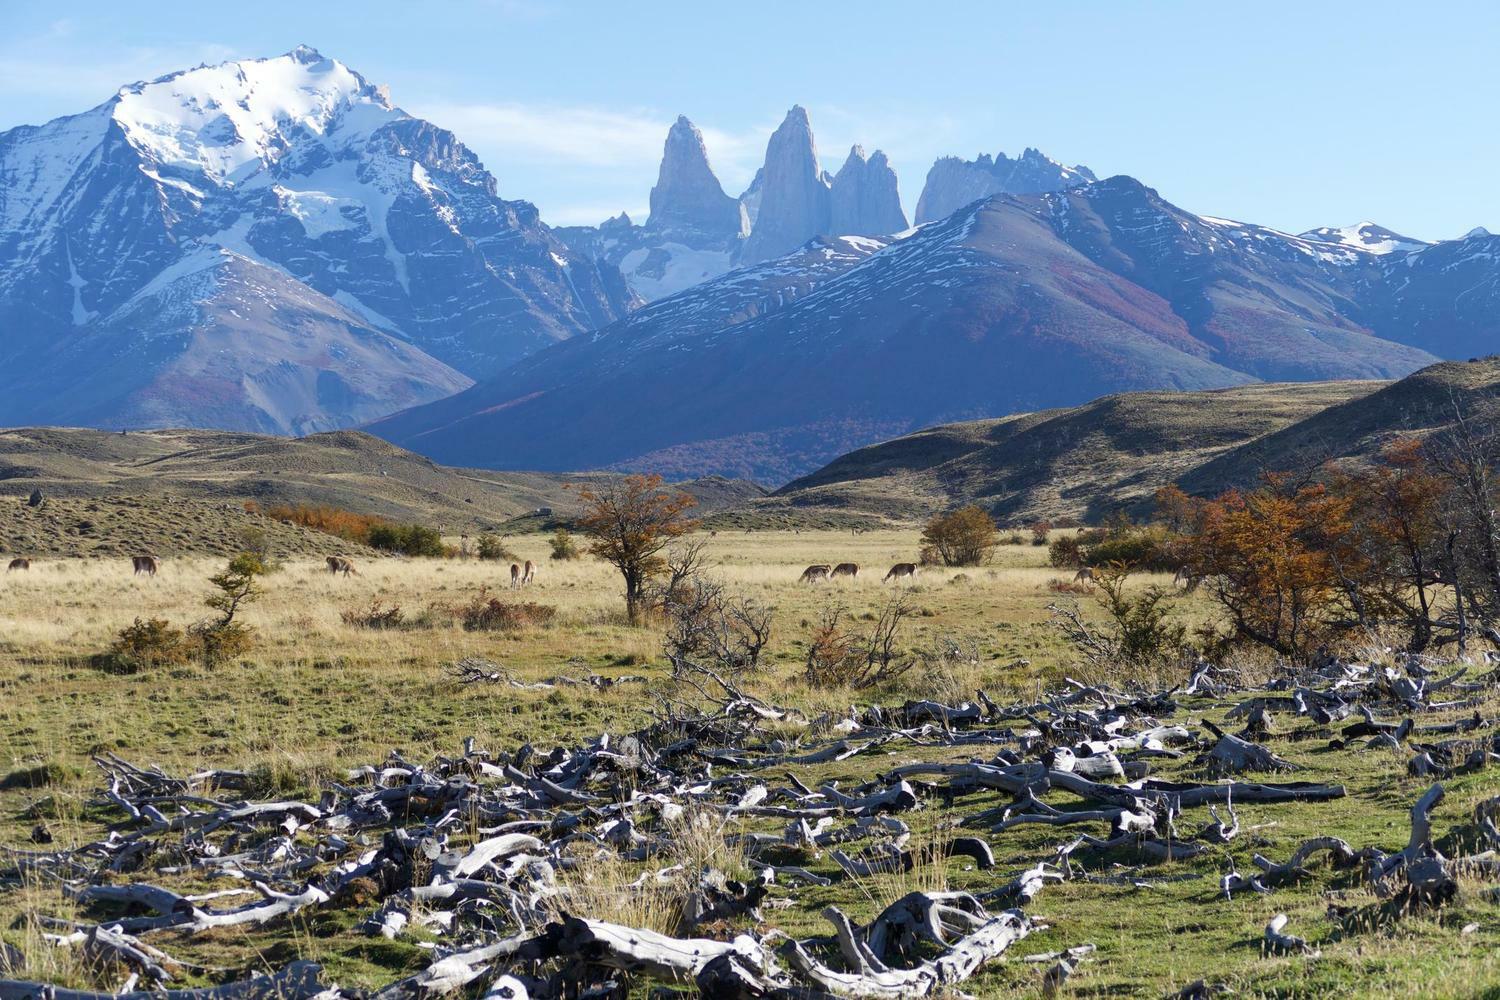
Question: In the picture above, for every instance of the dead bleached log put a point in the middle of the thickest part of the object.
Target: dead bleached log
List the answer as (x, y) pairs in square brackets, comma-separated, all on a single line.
[(1277, 942), (1233, 755), (988, 942), (1339, 852), (1487, 818), (298, 981)]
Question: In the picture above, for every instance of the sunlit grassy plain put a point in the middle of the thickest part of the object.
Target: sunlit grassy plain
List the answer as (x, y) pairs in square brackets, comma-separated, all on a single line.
[(318, 696)]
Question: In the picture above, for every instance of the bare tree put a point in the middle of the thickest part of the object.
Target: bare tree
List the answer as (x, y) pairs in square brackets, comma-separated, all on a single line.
[(707, 626), (841, 654), (1466, 455)]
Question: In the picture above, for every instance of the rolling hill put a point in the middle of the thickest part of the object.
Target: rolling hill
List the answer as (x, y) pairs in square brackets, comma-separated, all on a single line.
[(1080, 462), (1115, 452), (184, 490)]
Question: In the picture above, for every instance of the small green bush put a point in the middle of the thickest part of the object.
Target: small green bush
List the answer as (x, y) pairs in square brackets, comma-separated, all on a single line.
[(1137, 549), (219, 642), (492, 547), (563, 546), (257, 542), (408, 539), (145, 644)]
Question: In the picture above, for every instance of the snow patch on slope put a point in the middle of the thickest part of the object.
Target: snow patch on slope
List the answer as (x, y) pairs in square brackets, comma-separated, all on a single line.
[(1366, 236)]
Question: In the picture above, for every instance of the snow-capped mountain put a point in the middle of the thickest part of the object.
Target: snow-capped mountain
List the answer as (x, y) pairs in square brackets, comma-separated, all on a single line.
[(235, 191), (696, 232), (1018, 302)]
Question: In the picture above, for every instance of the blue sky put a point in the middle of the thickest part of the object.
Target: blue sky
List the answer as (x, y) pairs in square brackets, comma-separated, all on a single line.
[(1288, 114)]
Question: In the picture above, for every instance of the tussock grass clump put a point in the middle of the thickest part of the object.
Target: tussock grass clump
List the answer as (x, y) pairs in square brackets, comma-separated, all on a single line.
[(605, 886)]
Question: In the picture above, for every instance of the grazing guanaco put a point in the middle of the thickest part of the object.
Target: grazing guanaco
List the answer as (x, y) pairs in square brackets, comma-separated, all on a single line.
[(815, 573), (900, 570)]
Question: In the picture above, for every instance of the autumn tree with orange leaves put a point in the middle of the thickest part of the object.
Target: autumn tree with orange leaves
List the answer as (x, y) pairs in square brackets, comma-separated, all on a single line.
[(1374, 550), (1266, 558), (630, 522)]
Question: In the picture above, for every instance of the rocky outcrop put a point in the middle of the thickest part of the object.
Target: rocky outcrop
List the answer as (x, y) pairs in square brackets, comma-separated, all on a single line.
[(953, 183), (795, 202), (864, 198), (687, 196), (694, 232)]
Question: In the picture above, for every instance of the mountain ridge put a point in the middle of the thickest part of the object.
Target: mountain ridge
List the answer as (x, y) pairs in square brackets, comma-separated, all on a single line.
[(1013, 304)]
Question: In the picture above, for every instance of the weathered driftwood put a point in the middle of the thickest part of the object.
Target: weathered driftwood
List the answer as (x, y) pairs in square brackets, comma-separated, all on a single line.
[(988, 941), (1233, 755), (1339, 852), (476, 846)]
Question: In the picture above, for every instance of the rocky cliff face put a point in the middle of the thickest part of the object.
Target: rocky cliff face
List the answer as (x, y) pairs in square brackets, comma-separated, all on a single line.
[(953, 183), (864, 198), (696, 232), (383, 224), (795, 203), (687, 197)]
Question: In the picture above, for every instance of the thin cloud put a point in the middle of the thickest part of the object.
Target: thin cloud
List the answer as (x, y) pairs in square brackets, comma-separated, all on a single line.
[(615, 144)]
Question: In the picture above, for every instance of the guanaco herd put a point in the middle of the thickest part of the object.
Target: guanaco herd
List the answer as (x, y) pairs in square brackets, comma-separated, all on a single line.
[(519, 576), (1183, 579), (522, 576), (822, 571)]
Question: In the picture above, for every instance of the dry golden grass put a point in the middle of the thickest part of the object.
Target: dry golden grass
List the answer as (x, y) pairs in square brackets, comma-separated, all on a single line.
[(316, 691)]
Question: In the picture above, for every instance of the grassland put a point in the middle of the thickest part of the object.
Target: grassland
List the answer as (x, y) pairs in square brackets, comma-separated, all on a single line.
[(318, 696)]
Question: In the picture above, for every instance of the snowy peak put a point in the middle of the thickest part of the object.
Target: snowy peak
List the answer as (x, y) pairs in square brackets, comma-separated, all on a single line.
[(299, 166), (687, 195), (1366, 236), (224, 124)]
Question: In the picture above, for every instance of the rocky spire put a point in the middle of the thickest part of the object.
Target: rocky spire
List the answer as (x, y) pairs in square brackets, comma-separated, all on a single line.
[(794, 203), (864, 197), (687, 195)]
